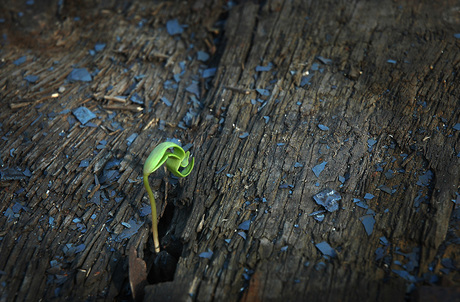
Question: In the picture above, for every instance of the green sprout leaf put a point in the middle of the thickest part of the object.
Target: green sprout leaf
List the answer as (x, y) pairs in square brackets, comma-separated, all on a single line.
[(174, 160)]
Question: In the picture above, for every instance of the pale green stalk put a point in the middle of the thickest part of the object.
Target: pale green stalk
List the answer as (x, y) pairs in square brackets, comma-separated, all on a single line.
[(173, 160)]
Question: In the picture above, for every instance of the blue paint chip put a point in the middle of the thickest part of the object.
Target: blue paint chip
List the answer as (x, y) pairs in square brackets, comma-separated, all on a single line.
[(202, 56), (391, 61), (326, 249), (208, 73), (368, 196), (264, 92), (323, 127), (244, 135), (456, 127), (99, 47), (206, 255), (425, 179), (319, 168), (329, 199), (136, 98), (405, 275), (20, 61), (166, 101), (457, 35), (368, 222), (79, 74), (242, 234), (84, 163), (264, 68), (83, 115), (244, 225), (31, 78), (193, 88), (173, 27)]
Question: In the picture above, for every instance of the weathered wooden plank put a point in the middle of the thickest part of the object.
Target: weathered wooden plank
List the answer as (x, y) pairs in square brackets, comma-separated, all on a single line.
[(370, 88)]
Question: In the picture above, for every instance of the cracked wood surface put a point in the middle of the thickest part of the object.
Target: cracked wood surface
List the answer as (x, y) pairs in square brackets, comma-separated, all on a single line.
[(385, 72)]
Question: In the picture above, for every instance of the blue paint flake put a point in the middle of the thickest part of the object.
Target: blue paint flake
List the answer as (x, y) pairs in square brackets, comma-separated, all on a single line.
[(368, 196), (244, 225), (20, 61), (206, 255), (329, 199), (79, 74), (425, 179), (244, 135), (368, 222), (202, 56), (391, 61), (324, 60), (131, 139), (31, 78), (193, 88), (298, 165), (456, 127), (173, 27), (319, 168), (208, 73), (165, 101), (242, 234), (457, 35), (83, 114), (264, 68), (405, 275), (264, 92), (326, 249), (99, 47), (284, 248), (323, 127), (127, 233)]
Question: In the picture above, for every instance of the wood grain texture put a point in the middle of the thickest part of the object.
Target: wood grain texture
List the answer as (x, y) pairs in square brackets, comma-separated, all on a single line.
[(383, 77)]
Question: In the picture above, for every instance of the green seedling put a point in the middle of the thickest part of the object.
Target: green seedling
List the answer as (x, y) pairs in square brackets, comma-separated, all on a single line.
[(174, 160)]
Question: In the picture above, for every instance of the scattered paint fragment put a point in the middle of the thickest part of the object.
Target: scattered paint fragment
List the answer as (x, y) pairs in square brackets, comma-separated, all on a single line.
[(131, 139), (193, 88), (127, 233), (206, 255), (244, 225), (79, 74), (83, 115), (319, 168), (368, 222), (242, 234), (165, 101), (284, 248), (31, 78), (264, 68), (209, 72), (99, 47), (173, 27), (405, 275), (368, 196), (329, 199), (202, 56), (323, 127), (326, 249), (391, 61), (20, 61), (324, 60), (425, 179), (244, 135), (457, 35), (264, 92)]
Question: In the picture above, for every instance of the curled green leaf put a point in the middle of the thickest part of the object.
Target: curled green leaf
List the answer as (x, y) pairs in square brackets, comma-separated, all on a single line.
[(174, 160)]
